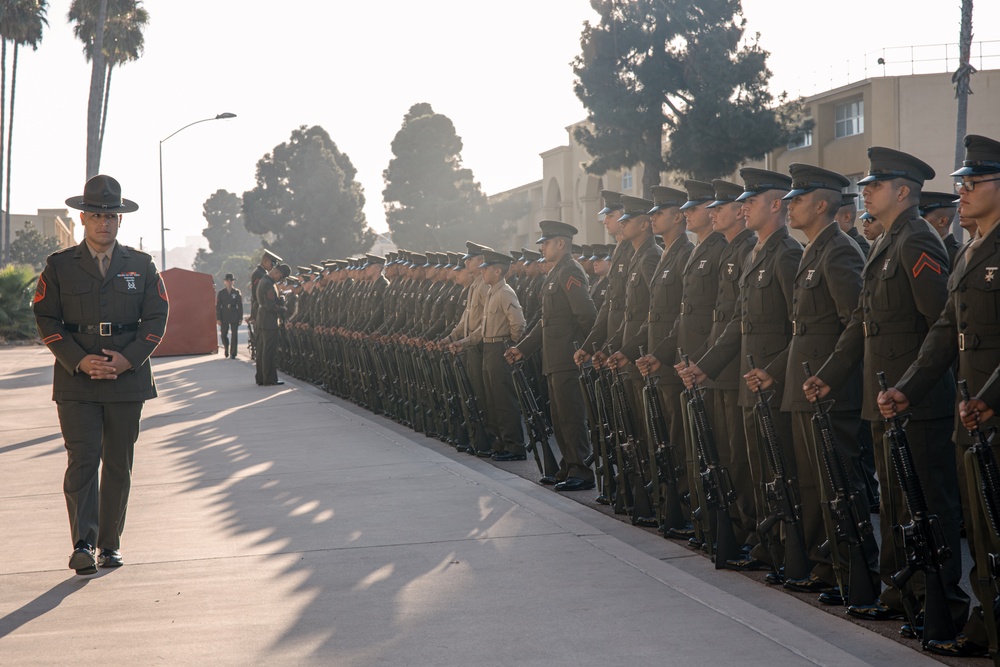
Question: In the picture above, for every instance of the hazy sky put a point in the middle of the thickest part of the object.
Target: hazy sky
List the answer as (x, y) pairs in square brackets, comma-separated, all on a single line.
[(499, 70)]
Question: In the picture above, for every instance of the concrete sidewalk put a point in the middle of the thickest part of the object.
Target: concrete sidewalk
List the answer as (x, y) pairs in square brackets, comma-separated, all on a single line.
[(280, 526)]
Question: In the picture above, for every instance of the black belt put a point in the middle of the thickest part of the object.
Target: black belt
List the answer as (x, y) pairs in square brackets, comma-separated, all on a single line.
[(102, 329)]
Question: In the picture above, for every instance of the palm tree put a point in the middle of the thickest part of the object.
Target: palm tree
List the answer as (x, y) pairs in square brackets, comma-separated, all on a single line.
[(123, 42), (962, 91), (21, 22)]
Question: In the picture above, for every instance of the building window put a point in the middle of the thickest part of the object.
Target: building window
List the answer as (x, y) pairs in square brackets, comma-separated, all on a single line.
[(801, 140), (627, 180), (849, 119)]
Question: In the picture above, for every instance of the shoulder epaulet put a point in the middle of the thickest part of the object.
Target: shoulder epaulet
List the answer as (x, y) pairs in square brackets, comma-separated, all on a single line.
[(138, 252), (65, 250)]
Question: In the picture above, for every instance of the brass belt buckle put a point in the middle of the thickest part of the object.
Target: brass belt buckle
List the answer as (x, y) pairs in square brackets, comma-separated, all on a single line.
[(105, 328), (961, 342)]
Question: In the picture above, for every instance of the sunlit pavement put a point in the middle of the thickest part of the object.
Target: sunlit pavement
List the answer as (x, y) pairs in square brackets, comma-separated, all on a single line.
[(278, 525)]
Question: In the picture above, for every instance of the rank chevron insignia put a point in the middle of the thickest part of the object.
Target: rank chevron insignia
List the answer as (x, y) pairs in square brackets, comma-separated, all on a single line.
[(572, 282), (925, 262)]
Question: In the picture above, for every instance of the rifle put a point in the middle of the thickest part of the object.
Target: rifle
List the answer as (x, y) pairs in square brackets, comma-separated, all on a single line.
[(986, 475), (539, 429), (621, 501), (479, 441), (631, 450), (848, 511), (715, 479), (251, 340), (782, 500), (598, 435), (668, 503), (922, 540)]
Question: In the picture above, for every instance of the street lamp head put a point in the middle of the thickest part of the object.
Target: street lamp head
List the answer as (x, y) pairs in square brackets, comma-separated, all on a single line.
[(225, 115)]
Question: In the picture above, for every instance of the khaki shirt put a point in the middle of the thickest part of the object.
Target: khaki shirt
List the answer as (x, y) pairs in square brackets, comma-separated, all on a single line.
[(502, 317), (472, 318)]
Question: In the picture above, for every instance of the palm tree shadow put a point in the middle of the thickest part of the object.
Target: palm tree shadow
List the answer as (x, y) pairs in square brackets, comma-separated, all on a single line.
[(41, 605)]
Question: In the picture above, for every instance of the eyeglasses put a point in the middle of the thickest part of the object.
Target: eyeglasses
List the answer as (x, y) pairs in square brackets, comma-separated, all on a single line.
[(110, 217), (969, 186)]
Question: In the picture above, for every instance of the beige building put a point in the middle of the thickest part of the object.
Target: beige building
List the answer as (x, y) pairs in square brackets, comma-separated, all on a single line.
[(913, 113), (56, 223)]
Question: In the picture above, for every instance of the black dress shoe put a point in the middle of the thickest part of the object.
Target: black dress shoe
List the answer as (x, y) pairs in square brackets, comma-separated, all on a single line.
[(685, 533), (874, 612), (811, 584), (602, 500), (485, 453), (272, 384), (647, 521), (960, 647), (574, 484), (82, 559), (832, 597), (745, 564), (110, 558), (509, 456), (548, 480), (774, 578)]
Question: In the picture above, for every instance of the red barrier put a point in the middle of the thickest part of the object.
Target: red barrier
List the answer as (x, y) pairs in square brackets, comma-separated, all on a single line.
[(191, 325)]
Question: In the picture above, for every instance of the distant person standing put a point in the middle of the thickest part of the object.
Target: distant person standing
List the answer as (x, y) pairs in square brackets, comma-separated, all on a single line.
[(267, 262), (228, 315), (101, 308), (269, 308)]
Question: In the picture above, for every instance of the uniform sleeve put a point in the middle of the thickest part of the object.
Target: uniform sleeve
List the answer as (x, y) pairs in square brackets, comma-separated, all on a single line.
[(152, 322), (239, 305), (47, 307), (218, 305), (577, 291), (937, 353), (515, 317)]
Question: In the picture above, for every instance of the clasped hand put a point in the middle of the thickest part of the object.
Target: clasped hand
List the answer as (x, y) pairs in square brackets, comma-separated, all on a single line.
[(105, 367)]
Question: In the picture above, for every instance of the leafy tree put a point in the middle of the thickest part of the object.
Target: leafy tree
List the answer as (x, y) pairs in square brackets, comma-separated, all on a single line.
[(122, 42), (307, 200), (227, 236), (680, 70), (31, 247), (17, 285), (431, 201), (21, 22)]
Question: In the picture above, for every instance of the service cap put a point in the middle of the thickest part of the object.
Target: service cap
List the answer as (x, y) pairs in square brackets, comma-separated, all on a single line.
[(725, 192), (664, 197), (634, 207), (554, 228), (888, 163), (698, 193), (806, 178), (756, 181), (612, 202), (982, 156)]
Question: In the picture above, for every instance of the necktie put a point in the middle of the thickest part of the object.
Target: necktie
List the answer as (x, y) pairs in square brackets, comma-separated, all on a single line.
[(976, 242), (102, 263)]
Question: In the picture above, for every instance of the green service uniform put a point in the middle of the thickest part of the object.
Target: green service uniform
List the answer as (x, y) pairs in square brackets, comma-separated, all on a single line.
[(79, 312), (567, 314)]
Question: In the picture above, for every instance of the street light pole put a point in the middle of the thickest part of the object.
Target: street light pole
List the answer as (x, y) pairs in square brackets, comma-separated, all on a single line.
[(163, 229)]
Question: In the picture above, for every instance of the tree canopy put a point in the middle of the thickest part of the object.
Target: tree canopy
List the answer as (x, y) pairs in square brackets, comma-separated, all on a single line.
[(680, 70), (227, 235), (31, 247), (431, 201), (122, 42), (308, 204)]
